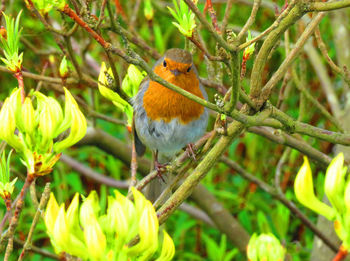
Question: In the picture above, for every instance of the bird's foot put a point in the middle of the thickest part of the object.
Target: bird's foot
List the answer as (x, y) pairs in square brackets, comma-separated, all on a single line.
[(160, 168), (190, 150)]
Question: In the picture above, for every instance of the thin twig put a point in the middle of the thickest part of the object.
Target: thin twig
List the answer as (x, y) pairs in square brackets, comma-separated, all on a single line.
[(133, 165), (102, 13), (279, 166), (250, 20), (19, 77), (334, 67), (134, 14), (68, 11), (38, 250), (72, 56), (115, 75), (326, 83), (226, 16), (201, 47), (33, 196), (268, 30), (43, 201), (209, 27), (88, 172), (214, 20), (266, 90), (314, 101), (14, 221)]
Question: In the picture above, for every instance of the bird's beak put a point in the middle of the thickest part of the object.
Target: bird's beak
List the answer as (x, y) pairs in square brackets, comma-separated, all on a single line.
[(176, 72)]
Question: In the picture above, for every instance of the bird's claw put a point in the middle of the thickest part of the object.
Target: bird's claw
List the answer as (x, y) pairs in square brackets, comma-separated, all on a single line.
[(160, 168), (190, 150)]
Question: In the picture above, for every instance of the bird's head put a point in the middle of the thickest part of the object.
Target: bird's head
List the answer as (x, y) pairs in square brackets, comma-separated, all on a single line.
[(177, 61), (177, 68)]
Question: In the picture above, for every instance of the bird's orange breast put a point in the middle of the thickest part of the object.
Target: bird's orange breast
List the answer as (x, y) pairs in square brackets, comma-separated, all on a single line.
[(161, 103)]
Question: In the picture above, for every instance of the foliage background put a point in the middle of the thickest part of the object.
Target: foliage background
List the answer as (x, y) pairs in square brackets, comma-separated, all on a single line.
[(256, 210)]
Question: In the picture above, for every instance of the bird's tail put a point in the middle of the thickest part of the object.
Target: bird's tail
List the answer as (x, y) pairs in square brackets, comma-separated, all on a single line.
[(156, 187)]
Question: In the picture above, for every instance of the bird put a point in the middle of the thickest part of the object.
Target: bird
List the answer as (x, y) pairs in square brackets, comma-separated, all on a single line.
[(164, 120)]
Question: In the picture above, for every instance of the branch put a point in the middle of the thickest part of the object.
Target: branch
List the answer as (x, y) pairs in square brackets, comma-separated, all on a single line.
[(222, 218), (320, 6), (277, 76), (14, 220), (38, 250), (137, 60), (293, 142), (43, 201), (197, 214), (88, 172), (250, 20), (314, 101), (201, 47), (113, 146), (138, 41), (290, 205), (208, 26), (209, 7), (291, 17), (334, 67), (292, 126), (326, 83), (235, 82), (226, 16), (48, 27), (53, 80), (187, 187), (69, 12), (269, 29)]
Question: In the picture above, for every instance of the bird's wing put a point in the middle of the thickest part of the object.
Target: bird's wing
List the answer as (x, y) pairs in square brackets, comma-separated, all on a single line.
[(140, 148)]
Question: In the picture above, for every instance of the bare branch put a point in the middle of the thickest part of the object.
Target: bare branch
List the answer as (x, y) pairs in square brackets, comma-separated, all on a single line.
[(320, 6)]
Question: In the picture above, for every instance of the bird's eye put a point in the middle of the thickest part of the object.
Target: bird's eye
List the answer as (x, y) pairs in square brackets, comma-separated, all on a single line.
[(189, 69), (164, 63)]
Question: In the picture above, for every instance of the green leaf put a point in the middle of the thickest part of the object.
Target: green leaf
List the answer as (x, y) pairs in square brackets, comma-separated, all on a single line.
[(263, 223)]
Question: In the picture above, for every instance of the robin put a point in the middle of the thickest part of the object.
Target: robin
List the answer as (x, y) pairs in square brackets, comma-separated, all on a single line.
[(166, 121)]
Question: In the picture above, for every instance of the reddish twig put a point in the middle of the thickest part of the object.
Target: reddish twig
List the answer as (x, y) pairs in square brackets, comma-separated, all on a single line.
[(120, 9), (209, 7), (244, 65), (73, 15), (7, 200), (342, 253), (19, 77)]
